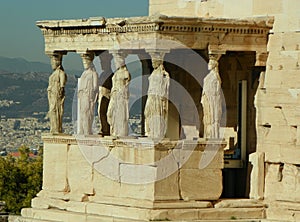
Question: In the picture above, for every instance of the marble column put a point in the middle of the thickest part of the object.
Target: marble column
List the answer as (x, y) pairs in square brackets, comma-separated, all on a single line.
[(156, 108), (105, 85), (211, 99), (257, 179), (56, 93), (118, 110), (87, 94)]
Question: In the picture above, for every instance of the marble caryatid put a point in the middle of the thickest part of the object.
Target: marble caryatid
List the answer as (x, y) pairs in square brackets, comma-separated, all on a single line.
[(156, 108), (118, 110), (56, 94), (87, 95), (211, 101)]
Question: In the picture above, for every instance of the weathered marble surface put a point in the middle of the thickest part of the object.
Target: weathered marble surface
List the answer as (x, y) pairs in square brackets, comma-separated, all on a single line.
[(56, 94), (118, 111), (257, 175), (87, 96), (211, 101), (156, 108)]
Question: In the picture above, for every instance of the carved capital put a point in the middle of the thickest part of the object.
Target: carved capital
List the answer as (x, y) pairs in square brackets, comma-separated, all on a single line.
[(157, 56), (56, 53), (215, 52), (261, 58), (119, 57)]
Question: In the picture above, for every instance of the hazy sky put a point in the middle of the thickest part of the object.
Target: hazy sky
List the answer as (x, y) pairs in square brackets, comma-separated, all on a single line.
[(20, 37)]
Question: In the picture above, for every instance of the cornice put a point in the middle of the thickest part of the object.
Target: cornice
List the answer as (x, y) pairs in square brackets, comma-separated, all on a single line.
[(159, 24), (133, 143)]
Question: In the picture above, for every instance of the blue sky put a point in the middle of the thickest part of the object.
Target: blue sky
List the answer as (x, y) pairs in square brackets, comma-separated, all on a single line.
[(20, 37)]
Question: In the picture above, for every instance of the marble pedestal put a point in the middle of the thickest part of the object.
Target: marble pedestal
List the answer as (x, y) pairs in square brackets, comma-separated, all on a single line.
[(127, 179)]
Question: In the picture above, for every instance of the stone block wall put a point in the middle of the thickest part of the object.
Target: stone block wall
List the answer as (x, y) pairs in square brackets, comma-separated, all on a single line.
[(133, 179)]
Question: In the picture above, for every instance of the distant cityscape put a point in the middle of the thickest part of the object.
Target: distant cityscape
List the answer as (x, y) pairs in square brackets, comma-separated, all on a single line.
[(15, 132), (8, 103)]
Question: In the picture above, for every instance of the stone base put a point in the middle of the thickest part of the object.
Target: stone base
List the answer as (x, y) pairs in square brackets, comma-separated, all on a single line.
[(94, 168), (227, 210), (211, 214), (106, 179), (283, 211)]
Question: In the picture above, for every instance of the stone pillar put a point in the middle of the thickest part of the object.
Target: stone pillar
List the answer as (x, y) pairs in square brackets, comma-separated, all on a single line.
[(105, 85), (118, 111), (211, 99), (56, 93), (87, 94), (257, 181), (156, 108)]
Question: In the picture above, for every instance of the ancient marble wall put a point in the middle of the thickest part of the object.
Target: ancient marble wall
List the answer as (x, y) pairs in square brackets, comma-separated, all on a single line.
[(284, 10), (277, 99)]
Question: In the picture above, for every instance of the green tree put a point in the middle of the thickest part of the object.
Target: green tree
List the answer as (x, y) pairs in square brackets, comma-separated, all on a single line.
[(20, 179)]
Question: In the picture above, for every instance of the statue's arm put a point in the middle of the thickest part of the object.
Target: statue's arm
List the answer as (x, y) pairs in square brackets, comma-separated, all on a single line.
[(62, 78), (95, 81), (127, 77), (62, 82)]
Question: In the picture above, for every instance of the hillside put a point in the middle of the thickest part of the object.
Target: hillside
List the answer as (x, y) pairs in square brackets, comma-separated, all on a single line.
[(23, 88), (20, 65), (28, 94)]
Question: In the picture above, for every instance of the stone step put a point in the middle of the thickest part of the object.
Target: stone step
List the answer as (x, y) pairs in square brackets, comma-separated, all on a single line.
[(111, 213), (22, 219)]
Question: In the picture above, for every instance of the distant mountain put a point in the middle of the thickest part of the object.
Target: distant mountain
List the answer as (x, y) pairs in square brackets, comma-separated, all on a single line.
[(20, 65), (28, 94)]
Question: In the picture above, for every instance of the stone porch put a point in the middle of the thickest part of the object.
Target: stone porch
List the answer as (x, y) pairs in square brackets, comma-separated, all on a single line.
[(96, 178)]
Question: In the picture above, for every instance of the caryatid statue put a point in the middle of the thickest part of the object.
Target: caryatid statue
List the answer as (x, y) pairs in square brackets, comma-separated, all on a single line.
[(156, 108), (87, 95), (211, 100), (118, 110), (56, 94)]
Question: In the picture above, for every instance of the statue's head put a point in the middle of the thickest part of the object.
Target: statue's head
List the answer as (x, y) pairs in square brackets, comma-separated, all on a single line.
[(119, 60), (56, 60), (213, 63), (87, 60), (156, 63)]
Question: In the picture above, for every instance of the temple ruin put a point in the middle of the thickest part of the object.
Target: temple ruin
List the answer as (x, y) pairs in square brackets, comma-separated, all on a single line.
[(220, 106)]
